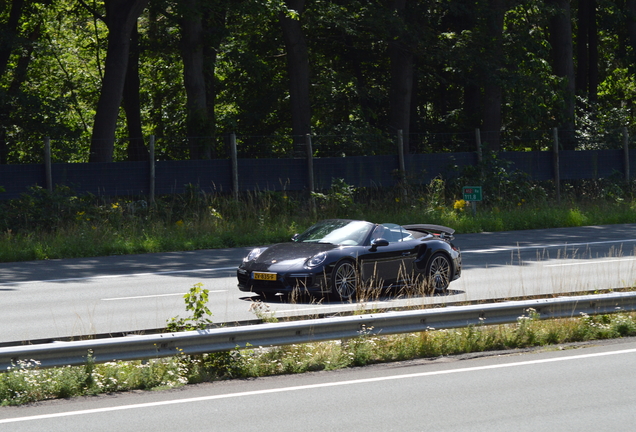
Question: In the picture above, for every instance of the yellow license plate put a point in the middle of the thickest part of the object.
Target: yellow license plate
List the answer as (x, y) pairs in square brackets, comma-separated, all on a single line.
[(265, 276)]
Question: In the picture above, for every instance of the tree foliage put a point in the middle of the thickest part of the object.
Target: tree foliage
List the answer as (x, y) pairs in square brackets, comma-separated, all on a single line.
[(99, 76)]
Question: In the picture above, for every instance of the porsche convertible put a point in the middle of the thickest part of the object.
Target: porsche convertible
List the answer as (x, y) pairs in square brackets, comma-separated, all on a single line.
[(339, 256)]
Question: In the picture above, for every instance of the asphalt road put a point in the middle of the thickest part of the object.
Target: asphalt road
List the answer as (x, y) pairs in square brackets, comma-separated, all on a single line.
[(585, 389), (62, 298)]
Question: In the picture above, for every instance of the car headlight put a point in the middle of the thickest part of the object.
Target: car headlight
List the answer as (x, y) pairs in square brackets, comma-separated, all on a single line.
[(316, 260), (254, 253)]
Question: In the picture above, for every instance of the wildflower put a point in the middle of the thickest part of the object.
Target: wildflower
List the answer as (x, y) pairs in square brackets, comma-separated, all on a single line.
[(459, 205), (179, 223)]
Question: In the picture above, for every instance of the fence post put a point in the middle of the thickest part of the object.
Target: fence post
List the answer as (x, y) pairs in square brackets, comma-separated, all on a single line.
[(151, 160), (478, 143), (402, 166), (626, 153), (555, 164), (47, 164), (235, 182), (310, 172)]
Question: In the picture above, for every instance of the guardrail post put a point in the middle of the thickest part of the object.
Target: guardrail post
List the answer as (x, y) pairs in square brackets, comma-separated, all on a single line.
[(555, 164), (47, 164)]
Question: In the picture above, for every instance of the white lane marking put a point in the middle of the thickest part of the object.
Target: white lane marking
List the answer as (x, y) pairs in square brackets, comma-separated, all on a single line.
[(588, 262), (314, 386), (515, 248), (122, 275), (155, 295)]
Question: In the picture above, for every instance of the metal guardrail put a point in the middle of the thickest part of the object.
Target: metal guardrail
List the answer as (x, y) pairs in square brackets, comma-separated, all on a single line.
[(224, 339)]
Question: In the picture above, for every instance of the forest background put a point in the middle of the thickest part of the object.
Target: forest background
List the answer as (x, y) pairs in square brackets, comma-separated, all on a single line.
[(99, 77)]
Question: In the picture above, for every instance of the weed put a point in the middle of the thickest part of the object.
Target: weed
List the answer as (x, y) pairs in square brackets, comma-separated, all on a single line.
[(196, 302), (263, 312)]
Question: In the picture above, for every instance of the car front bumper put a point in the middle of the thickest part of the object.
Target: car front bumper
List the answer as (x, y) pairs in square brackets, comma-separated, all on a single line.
[(286, 283)]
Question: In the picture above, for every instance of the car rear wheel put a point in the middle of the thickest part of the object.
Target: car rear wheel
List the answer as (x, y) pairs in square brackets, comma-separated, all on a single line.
[(439, 273), (344, 280)]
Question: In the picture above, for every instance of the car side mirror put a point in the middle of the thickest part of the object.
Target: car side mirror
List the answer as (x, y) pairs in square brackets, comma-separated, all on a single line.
[(375, 243), (294, 237)]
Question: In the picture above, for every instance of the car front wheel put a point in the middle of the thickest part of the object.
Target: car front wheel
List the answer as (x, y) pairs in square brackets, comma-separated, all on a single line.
[(439, 273), (344, 280)]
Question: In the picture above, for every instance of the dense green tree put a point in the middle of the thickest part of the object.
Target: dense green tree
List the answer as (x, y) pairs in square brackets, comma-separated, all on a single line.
[(98, 76)]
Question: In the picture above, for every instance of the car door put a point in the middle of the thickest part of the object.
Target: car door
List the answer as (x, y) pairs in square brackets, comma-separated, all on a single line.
[(390, 264)]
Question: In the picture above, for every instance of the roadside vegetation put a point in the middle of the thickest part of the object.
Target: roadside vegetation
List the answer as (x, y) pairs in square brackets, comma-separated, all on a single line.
[(25, 382), (61, 224)]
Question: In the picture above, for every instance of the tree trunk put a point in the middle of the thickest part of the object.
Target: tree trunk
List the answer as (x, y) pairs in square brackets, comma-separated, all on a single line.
[(214, 32), (401, 86), (587, 51), (121, 16), (194, 79), (298, 71), (560, 27), (493, 92), (362, 89), (631, 24), (9, 36), (582, 53), (136, 149), (593, 56), (8, 40)]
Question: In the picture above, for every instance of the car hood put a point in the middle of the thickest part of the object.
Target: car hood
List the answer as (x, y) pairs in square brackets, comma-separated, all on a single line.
[(293, 251), (286, 257)]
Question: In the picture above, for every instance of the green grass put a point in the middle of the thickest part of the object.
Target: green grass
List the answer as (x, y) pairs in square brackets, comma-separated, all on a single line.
[(26, 383), (61, 225)]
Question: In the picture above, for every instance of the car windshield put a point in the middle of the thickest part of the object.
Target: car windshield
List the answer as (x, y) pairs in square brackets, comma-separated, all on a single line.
[(338, 232)]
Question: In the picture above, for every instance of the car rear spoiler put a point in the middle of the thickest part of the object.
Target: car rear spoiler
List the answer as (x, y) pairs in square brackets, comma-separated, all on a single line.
[(444, 232)]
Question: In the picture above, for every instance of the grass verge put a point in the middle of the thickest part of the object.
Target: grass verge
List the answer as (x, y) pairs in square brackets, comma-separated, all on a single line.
[(26, 383), (44, 225)]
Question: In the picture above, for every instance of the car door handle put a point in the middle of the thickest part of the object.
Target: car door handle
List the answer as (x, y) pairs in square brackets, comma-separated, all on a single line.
[(406, 253)]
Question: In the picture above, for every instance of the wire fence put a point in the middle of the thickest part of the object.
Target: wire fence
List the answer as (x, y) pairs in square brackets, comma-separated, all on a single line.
[(19, 150), (305, 163)]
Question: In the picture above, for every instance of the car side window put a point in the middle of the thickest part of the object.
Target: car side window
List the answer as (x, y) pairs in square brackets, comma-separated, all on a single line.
[(378, 233), (392, 233)]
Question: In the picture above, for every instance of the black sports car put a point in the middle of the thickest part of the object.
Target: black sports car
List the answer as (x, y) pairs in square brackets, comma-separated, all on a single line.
[(339, 256)]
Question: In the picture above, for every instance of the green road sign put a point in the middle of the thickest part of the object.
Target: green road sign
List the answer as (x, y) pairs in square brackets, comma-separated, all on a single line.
[(472, 193)]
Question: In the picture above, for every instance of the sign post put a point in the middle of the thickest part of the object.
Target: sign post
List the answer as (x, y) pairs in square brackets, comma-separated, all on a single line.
[(472, 194)]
